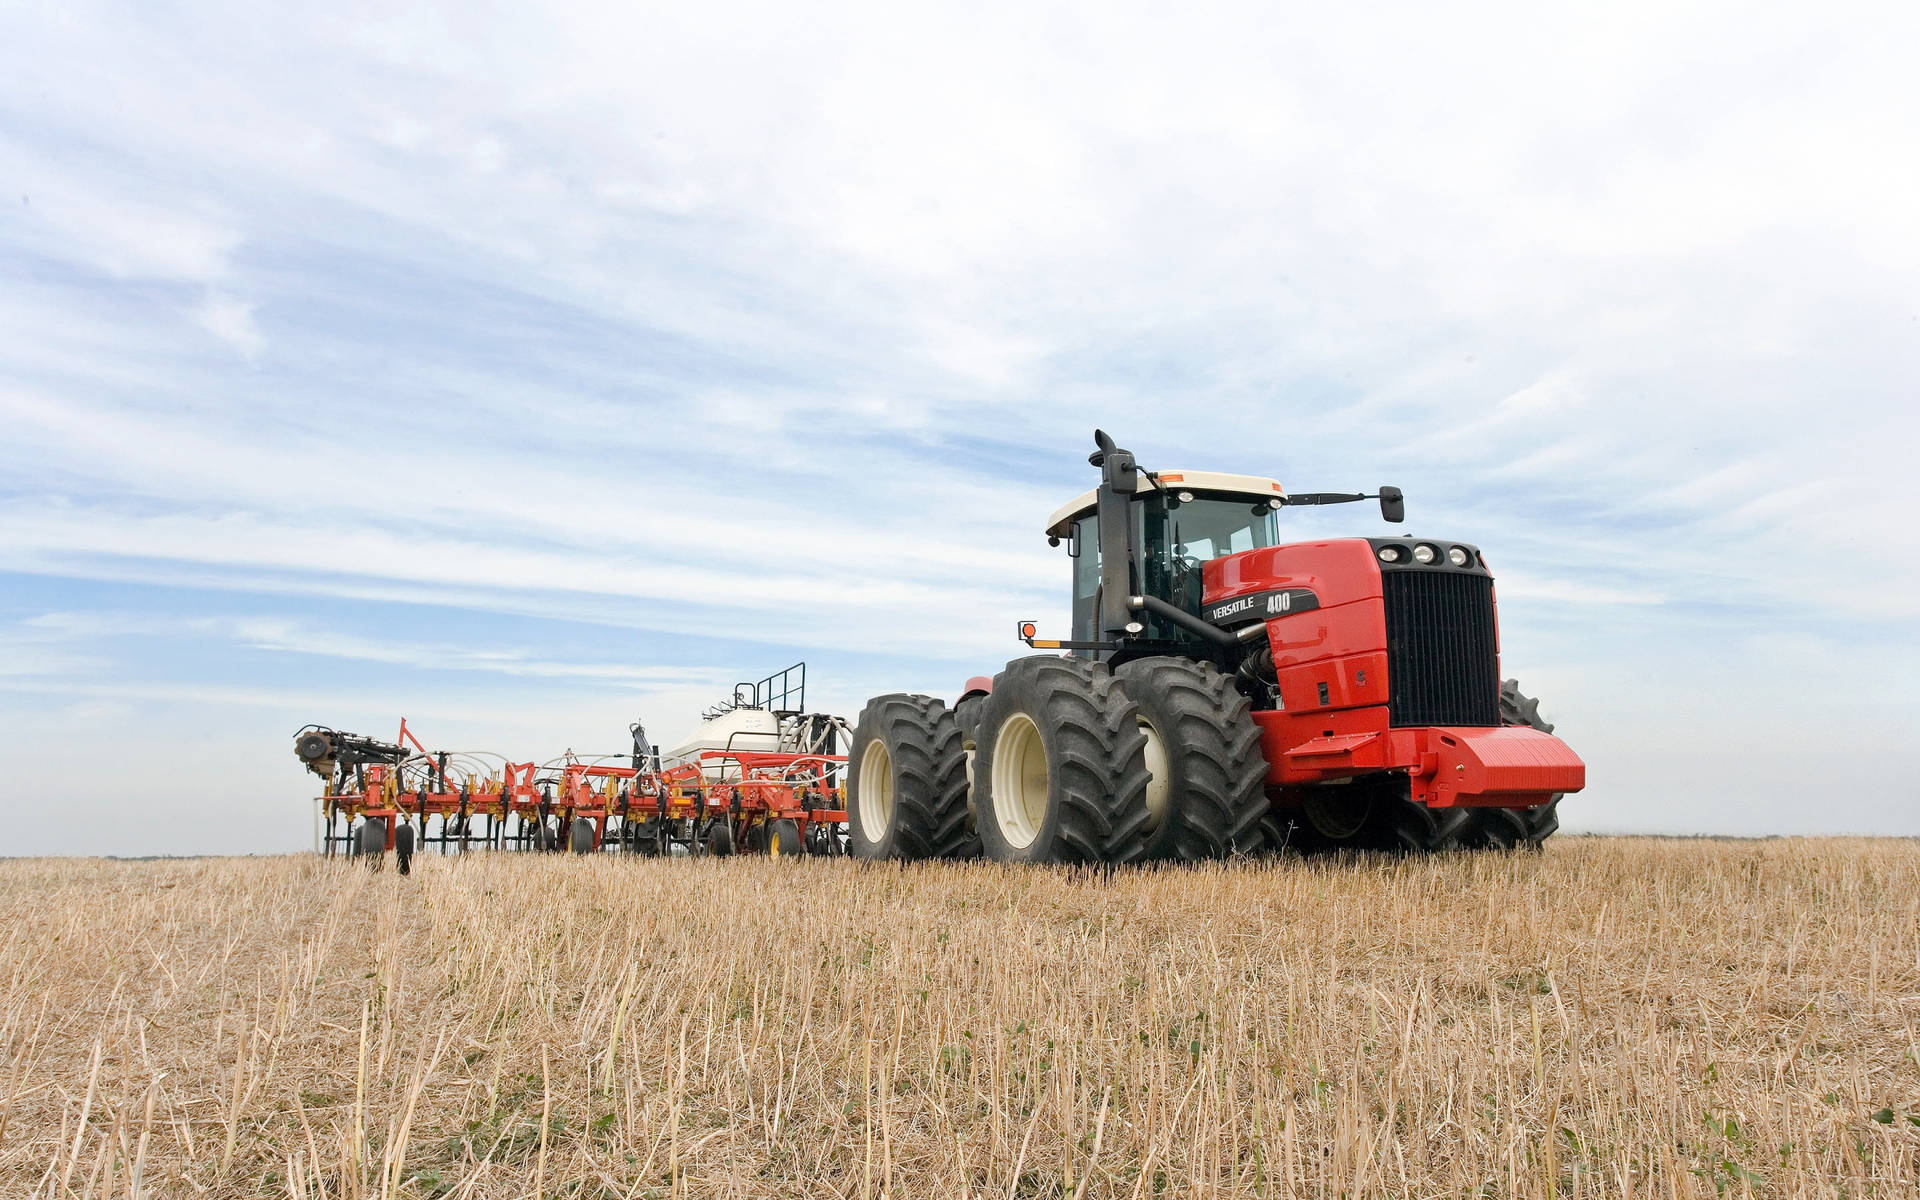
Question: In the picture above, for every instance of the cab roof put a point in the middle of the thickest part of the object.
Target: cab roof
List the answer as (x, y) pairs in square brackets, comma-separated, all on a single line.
[(1253, 487)]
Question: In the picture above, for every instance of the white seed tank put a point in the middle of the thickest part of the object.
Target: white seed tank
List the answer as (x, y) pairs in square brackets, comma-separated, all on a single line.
[(749, 729)]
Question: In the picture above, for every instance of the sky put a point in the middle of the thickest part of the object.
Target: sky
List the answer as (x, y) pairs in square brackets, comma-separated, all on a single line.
[(528, 370)]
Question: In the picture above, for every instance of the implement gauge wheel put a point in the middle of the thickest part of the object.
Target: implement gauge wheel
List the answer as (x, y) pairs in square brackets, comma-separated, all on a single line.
[(580, 836), (642, 836), (1208, 792), (1510, 828), (1060, 771), (907, 783), (783, 839), (720, 839)]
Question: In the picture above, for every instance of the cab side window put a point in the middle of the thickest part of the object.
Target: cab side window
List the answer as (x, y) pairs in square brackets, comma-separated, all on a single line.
[(1086, 578)]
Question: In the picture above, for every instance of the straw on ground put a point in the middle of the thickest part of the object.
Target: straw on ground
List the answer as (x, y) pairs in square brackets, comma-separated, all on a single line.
[(1611, 1017)]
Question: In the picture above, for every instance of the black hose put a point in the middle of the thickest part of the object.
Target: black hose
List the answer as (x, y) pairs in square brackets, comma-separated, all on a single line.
[(1186, 620)]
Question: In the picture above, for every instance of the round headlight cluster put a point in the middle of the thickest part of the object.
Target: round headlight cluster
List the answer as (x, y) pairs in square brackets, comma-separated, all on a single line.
[(1426, 554)]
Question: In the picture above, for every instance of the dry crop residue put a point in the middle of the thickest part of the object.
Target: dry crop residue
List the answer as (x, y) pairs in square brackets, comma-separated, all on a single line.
[(1611, 1016)]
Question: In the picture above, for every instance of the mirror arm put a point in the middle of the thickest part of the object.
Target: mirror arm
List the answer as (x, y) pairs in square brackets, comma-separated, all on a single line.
[(1392, 501)]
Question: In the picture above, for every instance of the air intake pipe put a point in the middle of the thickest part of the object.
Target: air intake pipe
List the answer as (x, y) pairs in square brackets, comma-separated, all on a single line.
[(1195, 625)]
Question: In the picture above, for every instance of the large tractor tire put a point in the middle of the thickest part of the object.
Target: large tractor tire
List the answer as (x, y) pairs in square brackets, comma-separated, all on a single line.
[(1207, 794), (1510, 828), (1060, 771), (907, 783)]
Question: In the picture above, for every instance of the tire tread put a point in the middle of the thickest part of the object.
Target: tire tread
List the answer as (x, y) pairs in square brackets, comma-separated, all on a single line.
[(930, 781), (1219, 796)]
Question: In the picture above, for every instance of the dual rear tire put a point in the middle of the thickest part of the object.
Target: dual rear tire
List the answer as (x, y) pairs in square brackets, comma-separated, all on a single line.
[(907, 786), (1060, 770), (1064, 761)]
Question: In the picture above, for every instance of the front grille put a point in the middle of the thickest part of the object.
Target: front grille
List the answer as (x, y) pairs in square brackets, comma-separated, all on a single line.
[(1443, 666)]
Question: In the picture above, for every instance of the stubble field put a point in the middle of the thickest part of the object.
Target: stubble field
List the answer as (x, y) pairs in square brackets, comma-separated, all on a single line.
[(1611, 1017)]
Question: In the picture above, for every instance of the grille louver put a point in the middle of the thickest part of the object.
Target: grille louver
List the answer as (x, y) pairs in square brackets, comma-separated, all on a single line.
[(1442, 664)]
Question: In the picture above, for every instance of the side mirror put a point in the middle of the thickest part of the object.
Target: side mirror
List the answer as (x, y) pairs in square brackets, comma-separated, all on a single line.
[(1393, 505)]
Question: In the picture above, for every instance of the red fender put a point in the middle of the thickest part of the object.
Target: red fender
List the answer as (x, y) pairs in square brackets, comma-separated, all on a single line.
[(979, 685)]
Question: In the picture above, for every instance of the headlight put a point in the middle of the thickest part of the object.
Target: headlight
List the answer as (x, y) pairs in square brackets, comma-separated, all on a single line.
[(1457, 556), (1184, 497), (1424, 553), (1392, 554)]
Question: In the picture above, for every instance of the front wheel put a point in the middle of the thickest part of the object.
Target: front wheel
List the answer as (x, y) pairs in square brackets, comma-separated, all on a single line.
[(1060, 771), (1207, 795)]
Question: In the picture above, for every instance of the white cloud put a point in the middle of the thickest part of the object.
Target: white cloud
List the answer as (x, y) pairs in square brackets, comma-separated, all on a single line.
[(231, 321)]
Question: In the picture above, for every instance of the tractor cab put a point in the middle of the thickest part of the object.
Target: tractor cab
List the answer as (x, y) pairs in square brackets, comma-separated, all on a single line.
[(1180, 520), (1140, 539)]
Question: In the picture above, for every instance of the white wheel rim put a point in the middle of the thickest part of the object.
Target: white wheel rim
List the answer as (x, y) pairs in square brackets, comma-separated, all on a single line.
[(1159, 778), (876, 790), (1020, 781)]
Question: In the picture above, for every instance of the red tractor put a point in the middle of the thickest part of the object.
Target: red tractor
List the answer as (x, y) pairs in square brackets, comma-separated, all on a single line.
[(1223, 693)]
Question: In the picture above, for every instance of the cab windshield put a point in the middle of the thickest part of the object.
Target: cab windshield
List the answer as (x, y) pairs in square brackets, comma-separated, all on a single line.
[(1176, 537), (1207, 526)]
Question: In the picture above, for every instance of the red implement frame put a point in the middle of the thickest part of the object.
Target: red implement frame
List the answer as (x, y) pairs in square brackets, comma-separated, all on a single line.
[(743, 790)]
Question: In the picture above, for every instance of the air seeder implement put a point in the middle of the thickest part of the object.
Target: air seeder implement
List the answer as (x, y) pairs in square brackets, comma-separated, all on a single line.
[(1223, 692), (760, 774)]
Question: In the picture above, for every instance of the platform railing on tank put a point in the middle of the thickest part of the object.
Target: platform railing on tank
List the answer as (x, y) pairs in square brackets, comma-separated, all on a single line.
[(781, 692)]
